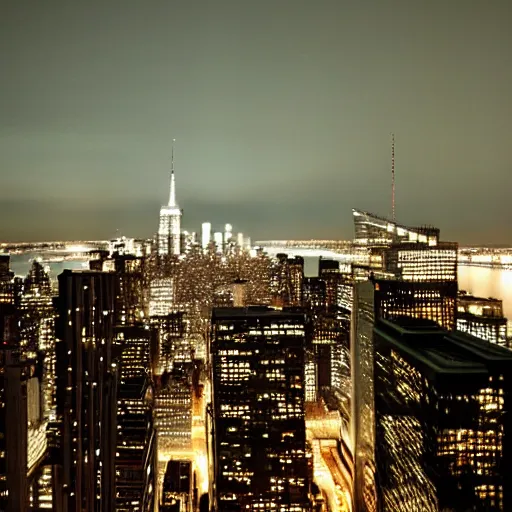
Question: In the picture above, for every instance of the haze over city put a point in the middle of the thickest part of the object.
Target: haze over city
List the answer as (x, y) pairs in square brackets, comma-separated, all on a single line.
[(282, 114)]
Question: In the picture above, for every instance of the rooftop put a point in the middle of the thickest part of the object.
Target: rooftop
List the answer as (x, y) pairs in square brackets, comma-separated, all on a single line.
[(439, 351), (255, 312)]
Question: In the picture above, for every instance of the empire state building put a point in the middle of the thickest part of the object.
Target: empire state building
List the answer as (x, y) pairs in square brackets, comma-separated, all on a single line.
[(169, 229)]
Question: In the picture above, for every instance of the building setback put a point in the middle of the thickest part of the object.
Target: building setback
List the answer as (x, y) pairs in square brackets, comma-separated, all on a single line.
[(259, 441)]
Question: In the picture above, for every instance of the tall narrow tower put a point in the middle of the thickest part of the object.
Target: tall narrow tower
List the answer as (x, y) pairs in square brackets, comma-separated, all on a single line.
[(393, 177), (169, 229)]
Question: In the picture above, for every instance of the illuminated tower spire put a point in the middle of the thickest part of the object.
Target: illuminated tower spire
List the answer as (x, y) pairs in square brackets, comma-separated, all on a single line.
[(172, 194), (393, 176)]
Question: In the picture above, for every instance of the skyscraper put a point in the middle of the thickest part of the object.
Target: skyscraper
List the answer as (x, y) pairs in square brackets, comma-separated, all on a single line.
[(442, 419), (87, 381), (206, 235), (259, 438), (22, 424), (136, 437), (169, 229), (6, 280)]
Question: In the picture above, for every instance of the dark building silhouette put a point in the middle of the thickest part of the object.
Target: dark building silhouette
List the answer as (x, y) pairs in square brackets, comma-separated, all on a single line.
[(177, 486), (442, 416), (259, 444), (22, 424), (135, 463), (87, 382), (286, 281)]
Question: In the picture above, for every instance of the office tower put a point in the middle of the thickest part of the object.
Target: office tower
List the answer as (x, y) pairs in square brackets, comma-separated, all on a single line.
[(37, 328), (239, 293), (87, 378), (169, 229), (161, 296), (189, 241), (482, 318), (430, 300), (287, 279), (362, 424), (206, 235), (259, 443), (228, 234), (314, 294), (443, 428), (135, 463), (219, 241), (172, 343), (130, 293), (240, 240), (329, 272), (6, 280), (173, 414), (22, 423), (310, 375), (418, 271), (177, 486)]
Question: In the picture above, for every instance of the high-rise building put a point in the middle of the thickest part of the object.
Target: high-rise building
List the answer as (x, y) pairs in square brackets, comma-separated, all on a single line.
[(173, 414), (136, 438), (287, 281), (362, 418), (418, 272), (483, 318), (218, 239), (6, 280), (442, 423), (177, 486), (23, 441), (161, 296), (228, 234), (130, 292), (259, 441), (169, 229), (37, 328), (87, 382), (206, 235), (172, 343), (430, 300)]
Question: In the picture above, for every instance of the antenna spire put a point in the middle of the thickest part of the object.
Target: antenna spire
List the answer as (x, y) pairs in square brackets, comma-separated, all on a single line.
[(393, 176), (172, 193)]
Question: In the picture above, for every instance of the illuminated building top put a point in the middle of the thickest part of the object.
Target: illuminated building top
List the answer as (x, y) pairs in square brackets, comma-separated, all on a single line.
[(169, 229), (372, 230)]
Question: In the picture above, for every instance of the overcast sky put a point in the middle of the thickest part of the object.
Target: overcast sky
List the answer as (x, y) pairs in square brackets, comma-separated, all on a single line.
[(282, 112)]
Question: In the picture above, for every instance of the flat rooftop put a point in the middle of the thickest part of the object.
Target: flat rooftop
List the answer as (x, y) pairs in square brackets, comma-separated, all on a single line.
[(439, 351), (255, 312)]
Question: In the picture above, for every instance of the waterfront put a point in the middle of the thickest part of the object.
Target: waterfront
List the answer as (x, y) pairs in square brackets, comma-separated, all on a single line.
[(488, 282)]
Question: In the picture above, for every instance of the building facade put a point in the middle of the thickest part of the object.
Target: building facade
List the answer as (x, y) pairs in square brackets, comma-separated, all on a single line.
[(87, 382), (442, 419), (259, 439)]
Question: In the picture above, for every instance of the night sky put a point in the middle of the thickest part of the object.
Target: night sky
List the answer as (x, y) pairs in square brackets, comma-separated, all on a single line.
[(282, 112)]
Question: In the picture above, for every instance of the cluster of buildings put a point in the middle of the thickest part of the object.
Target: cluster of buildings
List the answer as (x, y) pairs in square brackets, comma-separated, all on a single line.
[(188, 374)]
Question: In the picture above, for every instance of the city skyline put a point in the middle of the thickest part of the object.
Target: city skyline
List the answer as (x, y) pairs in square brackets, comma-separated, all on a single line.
[(282, 116)]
